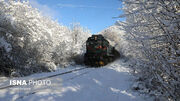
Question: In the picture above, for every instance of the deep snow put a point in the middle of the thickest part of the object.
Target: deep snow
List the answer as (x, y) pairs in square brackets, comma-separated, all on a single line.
[(109, 83)]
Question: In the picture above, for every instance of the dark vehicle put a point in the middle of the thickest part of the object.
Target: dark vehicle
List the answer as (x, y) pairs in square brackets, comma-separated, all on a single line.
[(99, 52)]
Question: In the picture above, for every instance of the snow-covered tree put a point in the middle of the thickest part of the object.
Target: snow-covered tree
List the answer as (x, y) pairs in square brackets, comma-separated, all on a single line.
[(79, 36), (154, 29), (32, 42)]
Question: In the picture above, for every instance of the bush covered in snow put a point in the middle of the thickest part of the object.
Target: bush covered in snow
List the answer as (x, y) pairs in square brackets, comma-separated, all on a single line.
[(30, 42), (154, 31)]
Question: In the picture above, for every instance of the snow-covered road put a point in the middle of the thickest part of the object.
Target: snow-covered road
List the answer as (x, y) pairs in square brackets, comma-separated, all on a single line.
[(110, 83)]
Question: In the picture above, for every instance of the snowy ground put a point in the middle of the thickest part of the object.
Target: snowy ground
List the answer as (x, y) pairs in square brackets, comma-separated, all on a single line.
[(110, 83)]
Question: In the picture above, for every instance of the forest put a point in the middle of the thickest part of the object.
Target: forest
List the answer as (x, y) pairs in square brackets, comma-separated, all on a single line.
[(149, 39)]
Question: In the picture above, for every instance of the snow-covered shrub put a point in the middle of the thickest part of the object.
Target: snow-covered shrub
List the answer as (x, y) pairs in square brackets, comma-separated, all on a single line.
[(154, 29), (32, 42)]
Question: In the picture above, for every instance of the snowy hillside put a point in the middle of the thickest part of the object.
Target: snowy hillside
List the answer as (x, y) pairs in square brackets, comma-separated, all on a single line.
[(110, 83)]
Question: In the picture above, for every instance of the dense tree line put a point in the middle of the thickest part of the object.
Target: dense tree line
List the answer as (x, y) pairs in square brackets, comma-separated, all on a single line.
[(30, 42)]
